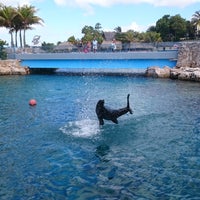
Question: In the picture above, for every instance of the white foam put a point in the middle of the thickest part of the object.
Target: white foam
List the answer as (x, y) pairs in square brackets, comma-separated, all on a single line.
[(85, 128)]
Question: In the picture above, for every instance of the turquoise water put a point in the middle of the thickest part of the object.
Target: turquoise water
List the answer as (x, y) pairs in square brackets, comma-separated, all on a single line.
[(128, 64), (56, 150)]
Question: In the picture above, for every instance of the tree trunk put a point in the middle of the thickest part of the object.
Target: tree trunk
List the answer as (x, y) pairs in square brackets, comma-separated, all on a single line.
[(11, 37), (24, 38), (16, 39), (20, 37)]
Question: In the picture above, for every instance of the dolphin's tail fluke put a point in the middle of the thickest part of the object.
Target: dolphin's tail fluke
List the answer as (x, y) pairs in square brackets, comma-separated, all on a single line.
[(128, 105)]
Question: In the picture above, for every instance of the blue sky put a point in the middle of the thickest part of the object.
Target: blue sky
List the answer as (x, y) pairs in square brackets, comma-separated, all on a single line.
[(65, 18)]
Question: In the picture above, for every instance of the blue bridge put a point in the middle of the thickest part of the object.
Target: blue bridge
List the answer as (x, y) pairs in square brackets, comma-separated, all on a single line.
[(100, 61)]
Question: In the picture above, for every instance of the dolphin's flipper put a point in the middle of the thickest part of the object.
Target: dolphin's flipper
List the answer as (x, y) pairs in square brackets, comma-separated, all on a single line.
[(114, 120), (101, 122)]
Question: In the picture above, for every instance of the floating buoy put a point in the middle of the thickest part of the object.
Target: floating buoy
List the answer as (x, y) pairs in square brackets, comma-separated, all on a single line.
[(32, 102)]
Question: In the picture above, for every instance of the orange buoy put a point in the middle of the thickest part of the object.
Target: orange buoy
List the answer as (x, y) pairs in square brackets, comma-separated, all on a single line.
[(32, 102)]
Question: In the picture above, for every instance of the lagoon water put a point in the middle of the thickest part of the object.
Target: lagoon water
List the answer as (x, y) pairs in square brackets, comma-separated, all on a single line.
[(56, 150)]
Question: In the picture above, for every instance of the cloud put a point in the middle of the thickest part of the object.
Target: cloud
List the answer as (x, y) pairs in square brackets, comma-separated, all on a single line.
[(18, 2), (88, 5), (106, 3), (173, 3), (134, 26)]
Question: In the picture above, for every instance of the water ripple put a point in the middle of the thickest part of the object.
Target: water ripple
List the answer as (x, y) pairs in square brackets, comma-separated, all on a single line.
[(56, 150), (84, 128)]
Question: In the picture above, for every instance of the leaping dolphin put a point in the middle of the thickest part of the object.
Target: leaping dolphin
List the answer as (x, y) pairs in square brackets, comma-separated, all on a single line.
[(111, 114)]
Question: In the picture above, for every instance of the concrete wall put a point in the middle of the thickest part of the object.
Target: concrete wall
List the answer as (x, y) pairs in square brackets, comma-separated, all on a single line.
[(100, 55)]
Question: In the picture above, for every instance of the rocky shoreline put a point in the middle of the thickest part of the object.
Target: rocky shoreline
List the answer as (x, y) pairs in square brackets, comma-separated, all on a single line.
[(187, 67), (183, 73), (12, 67)]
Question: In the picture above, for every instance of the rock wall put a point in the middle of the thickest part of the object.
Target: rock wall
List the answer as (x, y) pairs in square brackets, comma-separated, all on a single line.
[(189, 56), (12, 67), (187, 67)]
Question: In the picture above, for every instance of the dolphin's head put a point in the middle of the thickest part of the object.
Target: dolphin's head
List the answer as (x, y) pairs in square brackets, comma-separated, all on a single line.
[(100, 105), (101, 102)]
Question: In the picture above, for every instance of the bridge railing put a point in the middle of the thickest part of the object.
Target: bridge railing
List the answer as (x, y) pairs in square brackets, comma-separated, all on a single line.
[(125, 47)]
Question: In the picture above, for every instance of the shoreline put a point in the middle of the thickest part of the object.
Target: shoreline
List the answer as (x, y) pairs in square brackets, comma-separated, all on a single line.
[(187, 67), (13, 67)]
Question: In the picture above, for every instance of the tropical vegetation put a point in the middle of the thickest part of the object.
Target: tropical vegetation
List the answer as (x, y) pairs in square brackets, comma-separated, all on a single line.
[(196, 22), (168, 28), (18, 20), (3, 54)]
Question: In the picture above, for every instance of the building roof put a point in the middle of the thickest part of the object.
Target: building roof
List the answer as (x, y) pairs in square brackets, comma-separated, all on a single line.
[(109, 36), (65, 46)]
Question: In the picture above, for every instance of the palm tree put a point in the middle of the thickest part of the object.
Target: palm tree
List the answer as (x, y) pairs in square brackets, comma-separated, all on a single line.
[(118, 29), (196, 21), (131, 36), (18, 19), (98, 27), (17, 25), (7, 14), (27, 19)]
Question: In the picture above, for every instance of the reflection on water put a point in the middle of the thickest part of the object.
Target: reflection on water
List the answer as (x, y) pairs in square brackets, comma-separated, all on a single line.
[(57, 150), (101, 152)]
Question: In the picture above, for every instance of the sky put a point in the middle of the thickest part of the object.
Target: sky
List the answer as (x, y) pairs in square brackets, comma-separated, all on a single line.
[(65, 18)]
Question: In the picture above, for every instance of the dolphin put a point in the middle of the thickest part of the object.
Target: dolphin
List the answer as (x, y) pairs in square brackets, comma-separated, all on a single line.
[(106, 113)]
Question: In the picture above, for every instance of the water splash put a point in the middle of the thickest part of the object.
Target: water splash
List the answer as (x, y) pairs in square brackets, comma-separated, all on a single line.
[(85, 128)]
